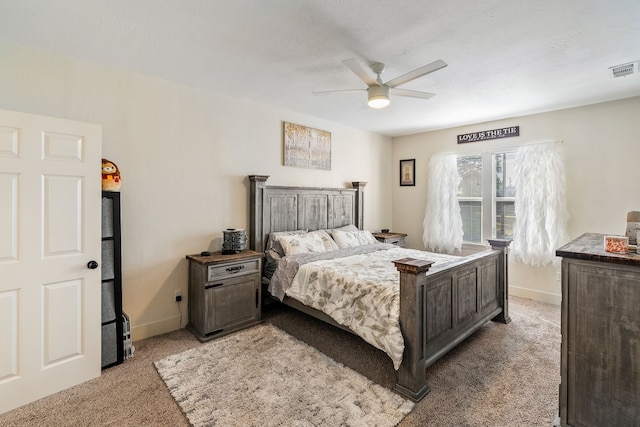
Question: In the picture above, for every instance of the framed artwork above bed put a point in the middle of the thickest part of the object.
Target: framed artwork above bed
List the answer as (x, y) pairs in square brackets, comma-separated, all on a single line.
[(408, 173), (306, 147)]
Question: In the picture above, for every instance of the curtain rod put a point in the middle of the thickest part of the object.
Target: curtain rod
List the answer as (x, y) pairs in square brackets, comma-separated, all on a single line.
[(510, 148), (529, 144), (559, 141)]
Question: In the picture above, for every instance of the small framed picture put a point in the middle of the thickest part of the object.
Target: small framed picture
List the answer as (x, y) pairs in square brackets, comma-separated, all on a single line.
[(408, 172)]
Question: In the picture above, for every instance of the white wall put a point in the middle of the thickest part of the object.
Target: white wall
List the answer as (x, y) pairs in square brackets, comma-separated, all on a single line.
[(601, 148), (184, 155)]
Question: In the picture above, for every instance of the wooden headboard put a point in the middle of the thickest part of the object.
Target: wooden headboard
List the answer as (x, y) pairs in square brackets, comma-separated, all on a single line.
[(297, 208)]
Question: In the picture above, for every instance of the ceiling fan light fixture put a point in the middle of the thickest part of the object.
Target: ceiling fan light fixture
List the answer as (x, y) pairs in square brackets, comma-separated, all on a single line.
[(378, 96), (378, 91)]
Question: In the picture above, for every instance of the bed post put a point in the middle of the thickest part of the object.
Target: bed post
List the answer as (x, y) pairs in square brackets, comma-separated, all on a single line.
[(359, 186), (411, 375), (255, 216), (502, 245)]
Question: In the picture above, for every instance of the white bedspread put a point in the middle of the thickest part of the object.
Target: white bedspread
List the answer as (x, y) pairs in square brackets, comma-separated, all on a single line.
[(361, 292)]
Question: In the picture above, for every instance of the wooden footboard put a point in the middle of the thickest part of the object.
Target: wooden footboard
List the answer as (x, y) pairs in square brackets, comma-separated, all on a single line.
[(441, 306)]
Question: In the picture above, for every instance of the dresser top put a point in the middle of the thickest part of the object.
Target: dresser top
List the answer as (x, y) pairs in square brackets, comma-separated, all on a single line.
[(590, 246), (219, 258)]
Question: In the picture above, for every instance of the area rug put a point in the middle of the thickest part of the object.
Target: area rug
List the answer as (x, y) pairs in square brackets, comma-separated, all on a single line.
[(263, 376)]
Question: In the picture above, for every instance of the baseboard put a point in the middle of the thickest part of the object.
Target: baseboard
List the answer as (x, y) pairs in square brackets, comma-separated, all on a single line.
[(160, 327), (536, 295), (169, 324)]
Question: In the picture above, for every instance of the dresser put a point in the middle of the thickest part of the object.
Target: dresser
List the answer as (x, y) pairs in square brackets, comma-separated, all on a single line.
[(600, 354), (393, 238), (224, 293)]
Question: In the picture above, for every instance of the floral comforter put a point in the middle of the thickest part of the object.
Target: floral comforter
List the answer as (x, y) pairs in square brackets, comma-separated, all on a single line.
[(359, 291)]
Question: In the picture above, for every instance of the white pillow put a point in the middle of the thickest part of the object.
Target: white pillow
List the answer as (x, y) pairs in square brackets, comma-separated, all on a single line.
[(312, 242), (351, 239), (328, 243), (273, 245)]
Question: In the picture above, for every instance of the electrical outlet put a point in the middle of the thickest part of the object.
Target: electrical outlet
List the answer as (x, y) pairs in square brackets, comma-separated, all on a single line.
[(178, 295)]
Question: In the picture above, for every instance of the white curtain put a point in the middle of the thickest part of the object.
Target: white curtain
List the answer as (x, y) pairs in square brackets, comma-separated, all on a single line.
[(442, 221), (540, 207)]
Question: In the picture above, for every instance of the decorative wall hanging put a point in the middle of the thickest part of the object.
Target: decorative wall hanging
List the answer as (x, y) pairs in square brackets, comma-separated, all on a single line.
[(408, 172), (489, 134), (306, 147)]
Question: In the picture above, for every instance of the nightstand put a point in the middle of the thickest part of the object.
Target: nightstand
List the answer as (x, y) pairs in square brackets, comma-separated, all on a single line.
[(224, 293), (393, 238)]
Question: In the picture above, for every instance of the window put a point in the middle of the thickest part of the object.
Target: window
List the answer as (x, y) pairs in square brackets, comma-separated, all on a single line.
[(505, 196), (486, 213), (470, 197)]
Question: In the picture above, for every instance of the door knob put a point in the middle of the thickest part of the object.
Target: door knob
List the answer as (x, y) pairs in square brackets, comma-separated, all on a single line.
[(92, 265)]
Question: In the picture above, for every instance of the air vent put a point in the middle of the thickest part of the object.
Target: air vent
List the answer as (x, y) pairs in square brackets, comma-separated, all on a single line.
[(624, 69)]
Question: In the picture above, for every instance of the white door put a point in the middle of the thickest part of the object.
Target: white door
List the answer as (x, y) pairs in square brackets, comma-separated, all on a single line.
[(50, 201)]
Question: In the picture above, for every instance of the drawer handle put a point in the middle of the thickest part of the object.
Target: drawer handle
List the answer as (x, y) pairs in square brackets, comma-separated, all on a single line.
[(213, 285), (235, 269)]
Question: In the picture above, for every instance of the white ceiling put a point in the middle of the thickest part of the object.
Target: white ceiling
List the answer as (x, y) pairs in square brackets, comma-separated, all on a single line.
[(506, 57)]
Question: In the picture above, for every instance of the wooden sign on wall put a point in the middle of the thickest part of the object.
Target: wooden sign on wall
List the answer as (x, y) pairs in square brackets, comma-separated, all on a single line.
[(489, 134)]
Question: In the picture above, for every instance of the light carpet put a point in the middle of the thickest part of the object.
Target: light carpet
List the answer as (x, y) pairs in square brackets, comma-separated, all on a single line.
[(263, 376)]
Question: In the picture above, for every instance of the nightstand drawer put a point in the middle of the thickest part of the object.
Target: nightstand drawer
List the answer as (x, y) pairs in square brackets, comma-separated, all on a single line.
[(399, 241), (217, 272)]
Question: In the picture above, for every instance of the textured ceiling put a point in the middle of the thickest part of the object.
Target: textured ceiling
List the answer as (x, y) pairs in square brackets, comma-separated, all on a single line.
[(506, 57)]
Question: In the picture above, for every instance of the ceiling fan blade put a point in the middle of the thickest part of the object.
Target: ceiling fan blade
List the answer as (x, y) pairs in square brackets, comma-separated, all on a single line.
[(418, 72), (329, 92), (413, 93), (357, 69)]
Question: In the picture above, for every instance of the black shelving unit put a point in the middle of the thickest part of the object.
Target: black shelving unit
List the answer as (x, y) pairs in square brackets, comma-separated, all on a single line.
[(112, 328)]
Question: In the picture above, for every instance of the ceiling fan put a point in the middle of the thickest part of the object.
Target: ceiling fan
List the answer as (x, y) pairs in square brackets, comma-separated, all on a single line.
[(377, 91)]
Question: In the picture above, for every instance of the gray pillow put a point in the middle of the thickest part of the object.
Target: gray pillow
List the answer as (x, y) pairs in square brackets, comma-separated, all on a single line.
[(273, 251), (274, 245)]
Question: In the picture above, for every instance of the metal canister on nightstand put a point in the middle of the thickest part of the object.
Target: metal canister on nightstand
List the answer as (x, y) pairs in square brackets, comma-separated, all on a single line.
[(234, 241)]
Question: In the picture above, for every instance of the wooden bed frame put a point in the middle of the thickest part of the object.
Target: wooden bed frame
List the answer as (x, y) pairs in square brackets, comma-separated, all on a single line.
[(439, 306)]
